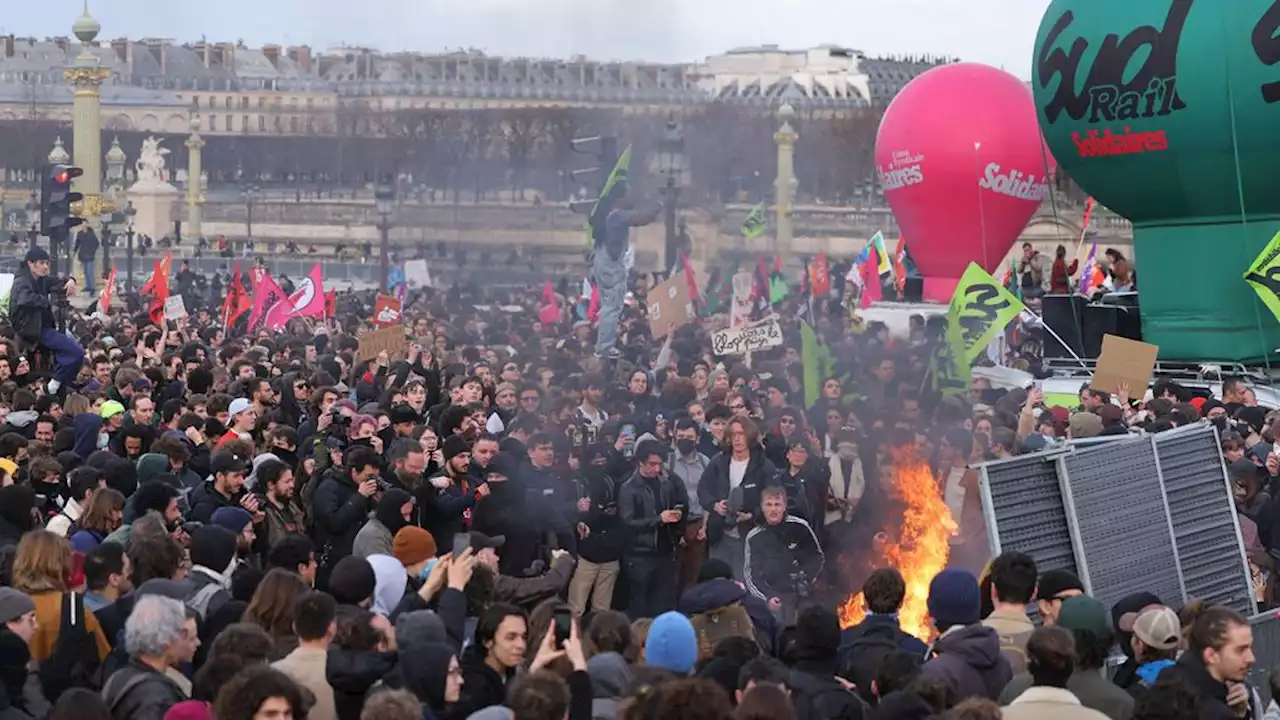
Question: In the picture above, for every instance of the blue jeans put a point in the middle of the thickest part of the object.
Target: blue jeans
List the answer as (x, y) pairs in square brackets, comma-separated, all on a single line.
[(68, 356), (611, 280), (88, 274)]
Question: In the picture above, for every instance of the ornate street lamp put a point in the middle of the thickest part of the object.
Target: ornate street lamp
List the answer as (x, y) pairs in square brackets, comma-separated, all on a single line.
[(384, 199), (673, 166)]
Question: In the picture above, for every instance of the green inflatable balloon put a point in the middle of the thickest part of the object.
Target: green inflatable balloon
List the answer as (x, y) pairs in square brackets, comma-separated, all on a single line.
[(1168, 113)]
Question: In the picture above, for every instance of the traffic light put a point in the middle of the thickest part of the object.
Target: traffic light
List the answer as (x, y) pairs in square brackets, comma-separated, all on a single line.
[(56, 198)]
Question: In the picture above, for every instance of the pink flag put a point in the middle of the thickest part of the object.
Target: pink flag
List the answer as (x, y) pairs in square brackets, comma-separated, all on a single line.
[(266, 295), (306, 301), (870, 281)]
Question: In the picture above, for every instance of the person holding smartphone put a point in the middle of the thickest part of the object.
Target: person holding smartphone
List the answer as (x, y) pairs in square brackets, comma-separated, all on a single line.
[(653, 507)]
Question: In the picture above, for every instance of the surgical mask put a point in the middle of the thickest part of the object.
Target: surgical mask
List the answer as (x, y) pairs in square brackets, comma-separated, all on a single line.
[(103, 440), (686, 446), (426, 569)]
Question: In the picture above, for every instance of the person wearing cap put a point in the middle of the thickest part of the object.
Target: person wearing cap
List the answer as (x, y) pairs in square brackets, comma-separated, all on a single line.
[(1052, 589), (1157, 633), (1090, 626), (224, 489), (243, 418), (31, 314)]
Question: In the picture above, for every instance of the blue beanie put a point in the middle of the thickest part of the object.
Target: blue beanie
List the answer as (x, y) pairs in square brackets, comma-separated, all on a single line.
[(671, 644), (231, 518), (954, 598)]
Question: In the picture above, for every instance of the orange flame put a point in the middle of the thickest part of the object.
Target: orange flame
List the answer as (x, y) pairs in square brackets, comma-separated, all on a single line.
[(918, 548)]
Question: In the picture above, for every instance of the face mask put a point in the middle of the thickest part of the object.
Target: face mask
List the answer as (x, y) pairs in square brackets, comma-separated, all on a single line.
[(362, 442), (426, 569), (103, 439), (686, 446), (1220, 422)]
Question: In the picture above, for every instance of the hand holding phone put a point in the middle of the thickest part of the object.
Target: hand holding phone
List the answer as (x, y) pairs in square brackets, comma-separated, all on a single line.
[(461, 541), (562, 623)]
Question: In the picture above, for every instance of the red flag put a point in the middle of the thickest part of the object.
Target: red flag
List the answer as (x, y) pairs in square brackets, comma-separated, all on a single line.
[(689, 278), (593, 305), (870, 281), (104, 297), (331, 303), (238, 301), (550, 312), (158, 288), (306, 301), (820, 275), (267, 295)]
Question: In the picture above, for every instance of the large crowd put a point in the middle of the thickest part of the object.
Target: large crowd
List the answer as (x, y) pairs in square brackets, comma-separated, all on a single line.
[(497, 521)]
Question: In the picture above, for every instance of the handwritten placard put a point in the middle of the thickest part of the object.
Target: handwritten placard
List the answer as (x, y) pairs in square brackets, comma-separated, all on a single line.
[(174, 307), (742, 340)]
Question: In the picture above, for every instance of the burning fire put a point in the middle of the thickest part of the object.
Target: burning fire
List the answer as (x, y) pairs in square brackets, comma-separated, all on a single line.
[(918, 548)]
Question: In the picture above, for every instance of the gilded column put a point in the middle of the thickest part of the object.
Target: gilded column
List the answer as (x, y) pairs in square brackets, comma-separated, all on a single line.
[(195, 189), (785, 185), (86, 76)]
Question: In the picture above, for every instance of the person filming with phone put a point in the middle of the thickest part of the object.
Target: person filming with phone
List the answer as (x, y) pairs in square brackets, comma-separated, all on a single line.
[(653, 507), (31, 312)]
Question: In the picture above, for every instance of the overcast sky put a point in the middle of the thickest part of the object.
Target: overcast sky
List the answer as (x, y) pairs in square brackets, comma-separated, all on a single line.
[(998, 32)]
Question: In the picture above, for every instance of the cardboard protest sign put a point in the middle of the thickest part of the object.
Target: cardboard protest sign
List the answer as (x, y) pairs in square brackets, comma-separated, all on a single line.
[(1124, 362), (669, 306), (391, 339), (742, 340)]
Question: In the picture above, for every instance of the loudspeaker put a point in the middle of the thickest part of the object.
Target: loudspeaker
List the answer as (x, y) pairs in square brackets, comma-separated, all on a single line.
[(913, 290), (1063, 313), (1099, 320)]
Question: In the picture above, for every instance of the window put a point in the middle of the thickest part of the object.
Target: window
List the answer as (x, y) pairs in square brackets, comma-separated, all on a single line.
[(244, 123), (310, 103), (262, 102), (213, 122), (293, 125), (262, 123), (244, 102), (229, 104), (212, 101)]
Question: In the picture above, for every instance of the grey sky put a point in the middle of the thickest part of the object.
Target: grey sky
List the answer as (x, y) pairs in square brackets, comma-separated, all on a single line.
[(998, 32)]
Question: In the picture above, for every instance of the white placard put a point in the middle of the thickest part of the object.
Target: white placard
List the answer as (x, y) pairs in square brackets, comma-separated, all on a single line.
[(741, 340), (174, 307), (417, 274)]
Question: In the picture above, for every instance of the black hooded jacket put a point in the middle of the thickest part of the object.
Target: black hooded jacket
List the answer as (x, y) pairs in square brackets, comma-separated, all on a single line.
[(428, 674), (30, 310), (351, 673)]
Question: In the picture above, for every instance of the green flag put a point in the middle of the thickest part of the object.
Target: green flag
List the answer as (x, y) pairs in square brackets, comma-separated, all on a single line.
[(718, 292), (755, 223), (604, 203), (778, 289), (817, 363)]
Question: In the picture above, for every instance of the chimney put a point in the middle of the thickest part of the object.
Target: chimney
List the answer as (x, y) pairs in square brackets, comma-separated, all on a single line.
[(8, 45), (302, 56), (156, 48), (227, 55), (120, 47), (202, 52), (272, 53)]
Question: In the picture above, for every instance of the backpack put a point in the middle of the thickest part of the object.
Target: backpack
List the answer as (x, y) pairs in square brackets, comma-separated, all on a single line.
[(824, 699), (860, 661), (74, 662), (1014, 649), (712, 626)]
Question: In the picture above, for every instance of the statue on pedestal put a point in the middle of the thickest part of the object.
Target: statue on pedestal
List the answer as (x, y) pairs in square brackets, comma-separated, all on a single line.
[(150, 163)]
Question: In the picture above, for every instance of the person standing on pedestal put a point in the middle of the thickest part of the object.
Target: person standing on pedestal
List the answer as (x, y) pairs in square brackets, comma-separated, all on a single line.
[(86, 252)]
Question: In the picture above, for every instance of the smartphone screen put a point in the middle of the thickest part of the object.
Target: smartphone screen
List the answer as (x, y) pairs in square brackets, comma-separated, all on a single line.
[(461, 542), (562, 621)]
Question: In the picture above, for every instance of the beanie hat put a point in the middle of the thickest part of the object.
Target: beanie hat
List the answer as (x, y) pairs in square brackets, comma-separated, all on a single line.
[(1084, 425), (954, 598), (454, 446), (412, 545), (672, 644), (418, 628), (817, 634), (213, 546), (352, 581), (14, 604), (36, 254), (714, 569), (231, 518)]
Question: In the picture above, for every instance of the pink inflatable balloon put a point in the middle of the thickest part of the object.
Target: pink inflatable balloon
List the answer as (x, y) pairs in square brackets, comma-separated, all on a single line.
[(961, 160)]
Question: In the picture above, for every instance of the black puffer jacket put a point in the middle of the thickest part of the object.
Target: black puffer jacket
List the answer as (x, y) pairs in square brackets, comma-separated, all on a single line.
[(138, 692), (30, 311), (339, 512)]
